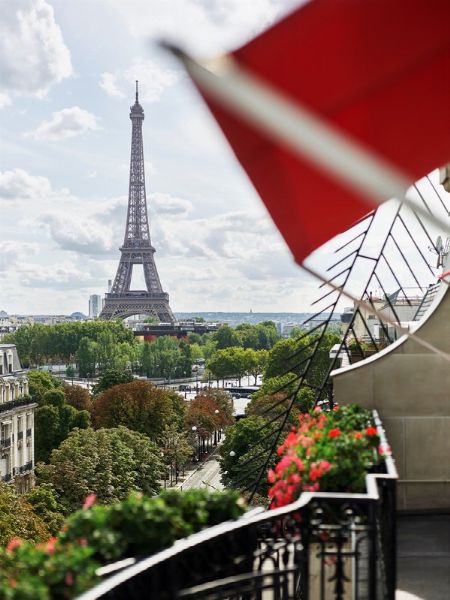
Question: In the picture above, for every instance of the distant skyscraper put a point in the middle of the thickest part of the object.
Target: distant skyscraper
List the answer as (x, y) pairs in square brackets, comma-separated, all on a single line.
[(95, 306)]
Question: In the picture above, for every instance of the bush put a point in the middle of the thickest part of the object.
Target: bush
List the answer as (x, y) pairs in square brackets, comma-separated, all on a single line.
[(327, 452), (139, 526)]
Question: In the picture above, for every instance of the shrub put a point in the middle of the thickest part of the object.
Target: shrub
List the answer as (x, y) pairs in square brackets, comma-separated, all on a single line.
[(139, 526)]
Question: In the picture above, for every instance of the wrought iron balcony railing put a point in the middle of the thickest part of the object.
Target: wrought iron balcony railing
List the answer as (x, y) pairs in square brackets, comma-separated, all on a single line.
[(324, 546)]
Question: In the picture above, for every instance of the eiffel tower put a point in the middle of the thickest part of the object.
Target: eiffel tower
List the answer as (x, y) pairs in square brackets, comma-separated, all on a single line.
[(121, 302)]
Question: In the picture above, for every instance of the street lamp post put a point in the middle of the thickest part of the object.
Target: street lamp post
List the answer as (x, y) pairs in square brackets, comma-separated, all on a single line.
[(216, 434), (194, 429)]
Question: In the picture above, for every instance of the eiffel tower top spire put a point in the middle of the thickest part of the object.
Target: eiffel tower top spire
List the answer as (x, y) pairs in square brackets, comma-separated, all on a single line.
[(136, 111)]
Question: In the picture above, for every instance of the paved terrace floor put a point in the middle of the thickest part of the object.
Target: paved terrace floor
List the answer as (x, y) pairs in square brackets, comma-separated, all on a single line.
[(424, 557)]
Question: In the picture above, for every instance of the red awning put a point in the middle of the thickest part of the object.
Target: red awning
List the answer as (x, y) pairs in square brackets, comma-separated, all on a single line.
[(376, 73)]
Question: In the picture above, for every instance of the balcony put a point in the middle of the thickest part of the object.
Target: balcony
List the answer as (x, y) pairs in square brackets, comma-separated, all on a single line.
[(7, 477), (20, 435), (323, 546), (28, 432), (5, 443), (25, 401), (27, 467)]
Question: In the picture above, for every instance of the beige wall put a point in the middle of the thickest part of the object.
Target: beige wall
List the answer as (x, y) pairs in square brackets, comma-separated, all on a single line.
[(410, 387)]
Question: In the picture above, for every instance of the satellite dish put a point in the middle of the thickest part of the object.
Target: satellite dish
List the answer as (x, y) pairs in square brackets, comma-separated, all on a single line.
[(439, 244)]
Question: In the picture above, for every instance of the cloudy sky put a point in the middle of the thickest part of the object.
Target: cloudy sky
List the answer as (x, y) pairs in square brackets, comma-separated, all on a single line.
[(67, 71)]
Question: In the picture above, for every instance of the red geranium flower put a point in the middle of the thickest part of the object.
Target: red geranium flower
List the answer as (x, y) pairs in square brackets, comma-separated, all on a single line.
[(89, 501), (334, 433), (371, 431), (13, 544)]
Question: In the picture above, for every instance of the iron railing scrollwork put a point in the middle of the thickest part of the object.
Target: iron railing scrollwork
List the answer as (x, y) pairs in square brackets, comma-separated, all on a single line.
[(325, 546)]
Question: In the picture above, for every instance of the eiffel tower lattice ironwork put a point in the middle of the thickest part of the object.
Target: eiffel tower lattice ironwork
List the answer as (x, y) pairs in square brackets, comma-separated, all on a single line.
[(121, 302)]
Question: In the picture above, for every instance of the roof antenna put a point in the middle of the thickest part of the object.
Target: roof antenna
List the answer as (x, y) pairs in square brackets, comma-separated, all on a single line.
[(137, 92)]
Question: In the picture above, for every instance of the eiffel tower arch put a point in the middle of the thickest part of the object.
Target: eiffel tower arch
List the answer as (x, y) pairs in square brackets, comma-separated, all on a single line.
[(137, 249)]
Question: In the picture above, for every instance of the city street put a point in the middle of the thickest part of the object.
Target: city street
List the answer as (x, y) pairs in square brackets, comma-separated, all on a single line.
[(207, 475)]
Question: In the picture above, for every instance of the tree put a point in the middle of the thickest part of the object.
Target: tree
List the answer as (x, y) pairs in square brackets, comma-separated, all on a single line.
[(54, 419), (255, 361), (248, 335), (18, 519), (201, 413), (293, 354), (39, 383), (70, 372), (140, 406), (151, 319), (78, 397), (258, 337), (147, 360), (229, 362), (223, 403), (112, 377), (244, 452), (177, 449), (267, 334), (108, 356), (276, 405), (166, 357), (226, 337), (86, 357), (107, 462), (44, 501)]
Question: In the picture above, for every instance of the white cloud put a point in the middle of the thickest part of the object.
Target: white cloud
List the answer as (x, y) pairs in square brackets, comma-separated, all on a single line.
[(33, 55), (204, 27), (17, 184), (153, 80), (165, 204), (57, 276), (5, 100), (66, 123), (11, 252), (83, 235), (108, 83)]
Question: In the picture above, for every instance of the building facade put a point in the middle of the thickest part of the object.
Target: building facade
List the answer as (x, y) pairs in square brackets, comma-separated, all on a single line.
[(16, 422)]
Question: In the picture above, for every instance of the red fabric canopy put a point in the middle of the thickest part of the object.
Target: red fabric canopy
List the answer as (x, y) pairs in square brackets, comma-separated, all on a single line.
[(378, 70)]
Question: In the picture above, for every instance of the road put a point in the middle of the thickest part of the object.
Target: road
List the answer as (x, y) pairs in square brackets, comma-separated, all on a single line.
[(206, 476)]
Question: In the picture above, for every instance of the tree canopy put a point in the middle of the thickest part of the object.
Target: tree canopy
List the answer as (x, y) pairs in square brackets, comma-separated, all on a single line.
[(38, 344), (53, 420), (18, 519), (292, 355), (112, 377), (244, 451), (139, 405), (107, 462)]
